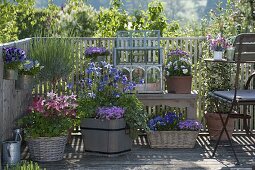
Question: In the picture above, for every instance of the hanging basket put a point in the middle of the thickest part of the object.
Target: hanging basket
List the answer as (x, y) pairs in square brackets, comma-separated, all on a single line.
[(24, 82), (46, 149), (10, 74), (172, 139)]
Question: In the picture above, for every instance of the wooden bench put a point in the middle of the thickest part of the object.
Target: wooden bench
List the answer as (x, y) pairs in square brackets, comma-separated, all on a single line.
[(173, 100)]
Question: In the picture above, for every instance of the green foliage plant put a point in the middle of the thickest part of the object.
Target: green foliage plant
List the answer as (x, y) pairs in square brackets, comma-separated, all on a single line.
[(55, 54), (24, 165), (111, 20), (156, 17), (8, 26)]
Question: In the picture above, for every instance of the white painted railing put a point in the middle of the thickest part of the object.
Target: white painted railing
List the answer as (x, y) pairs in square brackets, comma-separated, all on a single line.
[(195, 46)]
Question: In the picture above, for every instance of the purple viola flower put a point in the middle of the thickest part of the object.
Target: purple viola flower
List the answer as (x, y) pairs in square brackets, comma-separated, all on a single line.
[(190, 125), (177, 60), (168, 121), (13, 57), (96, 51), (109, 113)]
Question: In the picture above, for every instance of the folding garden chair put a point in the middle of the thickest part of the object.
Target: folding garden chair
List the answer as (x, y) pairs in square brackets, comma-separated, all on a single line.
[(244, 53)]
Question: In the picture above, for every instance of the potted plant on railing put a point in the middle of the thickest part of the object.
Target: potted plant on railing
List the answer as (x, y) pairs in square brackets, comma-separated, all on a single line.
[(178, 72), (170, 130), (217, 45), (27, 72), (109, 115), (46, 126), (13, 58), (97, 53)]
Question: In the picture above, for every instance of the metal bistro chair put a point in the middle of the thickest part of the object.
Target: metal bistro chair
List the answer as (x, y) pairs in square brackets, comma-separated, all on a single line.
[(244, 53)]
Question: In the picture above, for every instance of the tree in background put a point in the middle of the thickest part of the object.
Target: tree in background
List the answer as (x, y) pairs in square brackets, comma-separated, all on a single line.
[(76, 19), (8, 26), (111, 20), (156, 17)]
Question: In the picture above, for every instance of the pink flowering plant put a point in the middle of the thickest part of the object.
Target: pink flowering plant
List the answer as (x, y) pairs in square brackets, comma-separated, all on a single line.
[(50, 116), (178, 63), (217, 44), (168, 121)]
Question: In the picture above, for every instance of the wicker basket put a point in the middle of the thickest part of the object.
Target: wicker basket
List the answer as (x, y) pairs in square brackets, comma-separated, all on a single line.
[(45, 149), (172, 139)]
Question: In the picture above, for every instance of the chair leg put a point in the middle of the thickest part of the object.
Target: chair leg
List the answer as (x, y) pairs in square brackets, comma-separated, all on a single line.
[(247, 130), (229, 139)]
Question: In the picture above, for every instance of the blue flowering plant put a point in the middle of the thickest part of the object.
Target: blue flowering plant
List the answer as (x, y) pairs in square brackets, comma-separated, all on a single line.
[(105, 93), (30, 67), (92, 52), (170, 121), (178, 63), (217, 44), (13, 57)]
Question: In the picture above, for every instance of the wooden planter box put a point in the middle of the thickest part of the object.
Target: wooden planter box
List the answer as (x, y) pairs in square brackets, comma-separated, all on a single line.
[(172, 139), (105, 137)]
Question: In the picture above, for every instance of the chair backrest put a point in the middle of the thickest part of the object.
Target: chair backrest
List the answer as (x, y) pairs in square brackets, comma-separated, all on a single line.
[(245, 47)]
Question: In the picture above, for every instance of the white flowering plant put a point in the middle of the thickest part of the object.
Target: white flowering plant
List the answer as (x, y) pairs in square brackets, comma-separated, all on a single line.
[(178, 63)]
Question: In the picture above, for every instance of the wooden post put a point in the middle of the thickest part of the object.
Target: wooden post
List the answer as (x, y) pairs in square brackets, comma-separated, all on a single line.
[(1, 104)]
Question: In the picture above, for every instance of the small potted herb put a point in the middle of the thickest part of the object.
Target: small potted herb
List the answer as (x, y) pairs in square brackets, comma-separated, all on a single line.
[(171, 130), (13, 58), (27, 72)]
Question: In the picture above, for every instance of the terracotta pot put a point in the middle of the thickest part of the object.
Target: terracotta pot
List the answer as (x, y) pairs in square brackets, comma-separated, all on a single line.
[(214, 126), (179, 84)]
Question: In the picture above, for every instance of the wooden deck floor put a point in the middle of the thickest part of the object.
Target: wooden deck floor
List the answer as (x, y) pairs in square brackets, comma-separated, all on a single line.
[(143, 157)]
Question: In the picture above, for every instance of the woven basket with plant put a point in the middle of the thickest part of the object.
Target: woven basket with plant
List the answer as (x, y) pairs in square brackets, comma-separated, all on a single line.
[(170, 130)]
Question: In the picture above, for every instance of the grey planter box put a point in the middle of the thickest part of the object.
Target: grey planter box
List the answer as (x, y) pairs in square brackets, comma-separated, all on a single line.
[(105, 137)]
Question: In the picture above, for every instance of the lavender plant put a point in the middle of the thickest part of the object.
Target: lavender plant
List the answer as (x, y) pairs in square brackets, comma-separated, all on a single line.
[(13, 57), (173, 121), (178, 63)]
